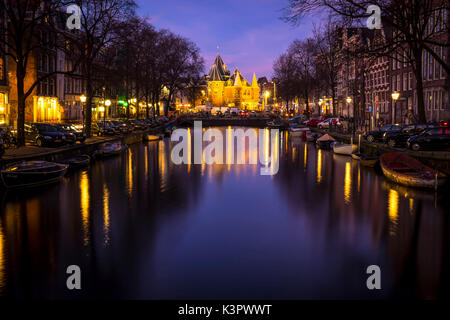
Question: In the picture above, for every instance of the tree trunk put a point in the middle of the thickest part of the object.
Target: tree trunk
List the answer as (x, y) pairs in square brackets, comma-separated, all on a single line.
[(88, 111), (21, 99), (146, 106), (419, 89)]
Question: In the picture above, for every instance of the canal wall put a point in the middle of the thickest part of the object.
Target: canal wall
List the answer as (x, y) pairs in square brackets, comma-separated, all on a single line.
[(439, 160), (60, 153)]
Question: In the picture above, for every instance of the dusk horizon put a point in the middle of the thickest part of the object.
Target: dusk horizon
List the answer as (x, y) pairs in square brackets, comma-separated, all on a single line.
[(250, 36)]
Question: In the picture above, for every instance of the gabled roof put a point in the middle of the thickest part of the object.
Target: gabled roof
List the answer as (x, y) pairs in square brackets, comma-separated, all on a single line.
[(238, 79)]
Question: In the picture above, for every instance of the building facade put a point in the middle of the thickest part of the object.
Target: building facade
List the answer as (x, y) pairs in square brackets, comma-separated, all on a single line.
[(4, 85), (226, 90)]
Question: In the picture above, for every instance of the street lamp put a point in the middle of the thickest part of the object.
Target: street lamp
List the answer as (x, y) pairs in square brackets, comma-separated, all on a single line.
[(266, 95), (395, 95), (107, 104), (349, 100), (83, 100)]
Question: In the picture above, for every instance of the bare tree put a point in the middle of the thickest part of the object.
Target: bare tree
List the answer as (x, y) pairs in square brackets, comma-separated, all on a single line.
[(304, 52), (411, 27), (328, 57), (284, 74), (26, 21), (99, 22)]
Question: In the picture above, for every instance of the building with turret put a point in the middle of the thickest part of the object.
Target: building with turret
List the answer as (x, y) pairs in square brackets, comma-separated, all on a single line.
[(231, 90)]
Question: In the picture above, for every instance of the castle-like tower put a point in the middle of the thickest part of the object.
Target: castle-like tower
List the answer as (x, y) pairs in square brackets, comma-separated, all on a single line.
[(225, 90)]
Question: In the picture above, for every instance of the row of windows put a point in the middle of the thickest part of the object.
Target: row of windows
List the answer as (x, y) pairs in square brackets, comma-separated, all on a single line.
[(45, 63), (402, 82), (432, 70), (72, 85), (435, 100), (437, 21), (46, 88), (377, 78)]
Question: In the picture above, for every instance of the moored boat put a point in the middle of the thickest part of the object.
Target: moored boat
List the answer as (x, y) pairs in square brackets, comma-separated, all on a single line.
[(368, 161), (274, 124), (312, 137), (297, 131), (32, 173), (410, 172), (110, 149), (78, 161), (325, 141), (345, 149), (356, 156)]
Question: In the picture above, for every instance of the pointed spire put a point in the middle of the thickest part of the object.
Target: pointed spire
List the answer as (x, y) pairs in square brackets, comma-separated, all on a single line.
[(237, 78), (254, 81)]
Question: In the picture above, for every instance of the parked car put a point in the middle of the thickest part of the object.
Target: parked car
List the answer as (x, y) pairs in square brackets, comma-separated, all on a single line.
[(377, 135), (399, 138), (431, 139), (326, 123), (121, 126), (73, 135), (101, 129), (135, 124), (244, 114), (43, 134), (314, 122), (70, 137), (444, 123)]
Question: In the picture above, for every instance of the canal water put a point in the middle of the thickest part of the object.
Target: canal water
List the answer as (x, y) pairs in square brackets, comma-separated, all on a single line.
[(141, 227)]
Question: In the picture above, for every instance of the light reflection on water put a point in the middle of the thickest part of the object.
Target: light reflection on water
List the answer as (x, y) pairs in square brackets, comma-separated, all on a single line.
[(141, 227)]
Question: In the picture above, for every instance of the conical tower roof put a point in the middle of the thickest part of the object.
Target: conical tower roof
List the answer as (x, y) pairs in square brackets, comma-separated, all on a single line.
[(218, 70), (237, 78), (254, 81)]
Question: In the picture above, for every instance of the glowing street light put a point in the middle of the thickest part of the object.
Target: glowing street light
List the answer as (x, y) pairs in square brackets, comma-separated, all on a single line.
[(107, 103), (349, 100), (83, 98), (395, 95)]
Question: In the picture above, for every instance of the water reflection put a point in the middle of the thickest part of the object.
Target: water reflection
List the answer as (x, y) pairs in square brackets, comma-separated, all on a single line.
[(393, 211), (2, 259), (106, 214), (145, 228), (85, 202), (347, 183), (319, 166)]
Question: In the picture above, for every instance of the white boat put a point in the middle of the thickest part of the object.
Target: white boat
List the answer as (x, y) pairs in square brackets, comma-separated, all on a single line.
[(345, 149), (110, 149), (297, 131)]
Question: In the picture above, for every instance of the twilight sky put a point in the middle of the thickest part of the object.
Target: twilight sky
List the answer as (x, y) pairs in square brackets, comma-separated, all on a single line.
[(249, 32)]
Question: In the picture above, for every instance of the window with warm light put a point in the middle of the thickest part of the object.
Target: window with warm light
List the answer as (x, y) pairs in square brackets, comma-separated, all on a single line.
[(1, 68)]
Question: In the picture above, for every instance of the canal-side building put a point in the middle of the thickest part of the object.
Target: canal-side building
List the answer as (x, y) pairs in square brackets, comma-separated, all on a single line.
[(4, 88), (42, 105), (231, 90), (377, 84)]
